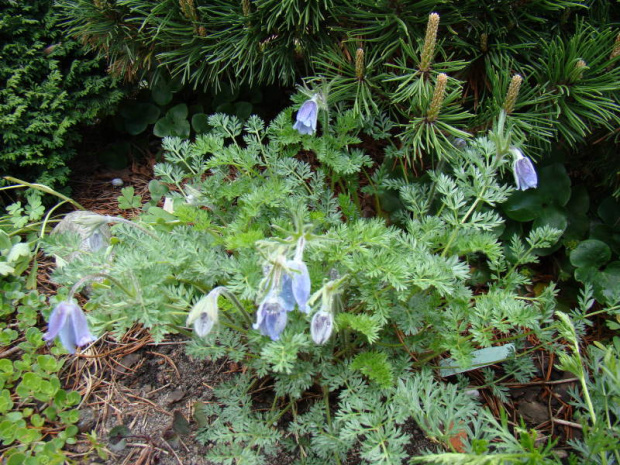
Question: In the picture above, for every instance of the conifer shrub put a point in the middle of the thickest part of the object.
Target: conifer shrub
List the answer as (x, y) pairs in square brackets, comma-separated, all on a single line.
[(51, 88)]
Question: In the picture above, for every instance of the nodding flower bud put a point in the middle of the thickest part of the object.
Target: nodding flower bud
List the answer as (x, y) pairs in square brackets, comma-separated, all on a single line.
[(307, 116), (204, 314), (271, 317), (68, 322), (523, 169), (321, 326)]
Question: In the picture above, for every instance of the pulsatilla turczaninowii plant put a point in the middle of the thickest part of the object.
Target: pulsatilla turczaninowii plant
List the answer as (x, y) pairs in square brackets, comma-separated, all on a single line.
[(342, 316)]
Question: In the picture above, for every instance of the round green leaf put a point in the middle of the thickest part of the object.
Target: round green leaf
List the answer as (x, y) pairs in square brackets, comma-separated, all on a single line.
[(161, 92), (552, 216), (609, 284), (609, 212), (554, 184), (590, 253), (523, 206), (200, 123), (579, 202), (178, 112), (243, 110)]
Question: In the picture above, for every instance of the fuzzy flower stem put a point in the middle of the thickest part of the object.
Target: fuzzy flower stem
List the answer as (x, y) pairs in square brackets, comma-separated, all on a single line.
[(430, 40), (114, 219), (438, 96), (512, 94), (231, 297), (92, 277)]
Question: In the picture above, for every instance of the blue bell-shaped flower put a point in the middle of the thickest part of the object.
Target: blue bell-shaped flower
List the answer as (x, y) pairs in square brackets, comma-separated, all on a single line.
[(68, 322), (523, 169), (271, 317), (307, 116)]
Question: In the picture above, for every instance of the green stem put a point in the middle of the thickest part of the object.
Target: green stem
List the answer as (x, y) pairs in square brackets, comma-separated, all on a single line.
[(92, 277), (42, 188)]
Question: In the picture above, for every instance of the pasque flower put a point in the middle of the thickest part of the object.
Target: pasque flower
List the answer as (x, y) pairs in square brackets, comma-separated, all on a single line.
[(321, 326), (69, 323), (307, 116), (271, 316), (296, 286), (204, 314), (523, 169)]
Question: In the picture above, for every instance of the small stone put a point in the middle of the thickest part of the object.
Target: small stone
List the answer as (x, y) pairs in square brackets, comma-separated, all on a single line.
[(87, 420), (176, 396), (117, 182)]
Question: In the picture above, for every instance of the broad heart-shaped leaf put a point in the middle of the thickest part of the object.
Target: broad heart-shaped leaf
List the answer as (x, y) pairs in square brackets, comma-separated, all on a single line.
[(609, 212), (200, 123), (579, 202), (555, 217), (523, 206), (161, 92), (243, 110), (591, 253), (608, 235), (480, 358), (606, 283), (171, 127), (178, 112), (140, 112), (554, 185)]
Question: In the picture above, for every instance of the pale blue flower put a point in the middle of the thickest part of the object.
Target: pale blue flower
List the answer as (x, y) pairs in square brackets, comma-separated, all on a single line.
[(307, 116), (286, 293), (300, 283), (523, 169), (271, 317), (69, 323), (321, 326)]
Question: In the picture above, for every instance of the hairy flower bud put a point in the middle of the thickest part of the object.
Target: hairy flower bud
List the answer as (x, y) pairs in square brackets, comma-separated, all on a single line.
[(271, 317), (204, 314), (68, 322), (321, 326), (307, 116), (523, 169)]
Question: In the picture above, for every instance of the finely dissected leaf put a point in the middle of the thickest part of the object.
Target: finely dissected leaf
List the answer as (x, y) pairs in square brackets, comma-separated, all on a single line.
[(376, 366)]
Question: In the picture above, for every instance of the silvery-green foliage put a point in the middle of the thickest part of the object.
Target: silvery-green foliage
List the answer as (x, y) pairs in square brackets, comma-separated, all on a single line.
[(244, 195)]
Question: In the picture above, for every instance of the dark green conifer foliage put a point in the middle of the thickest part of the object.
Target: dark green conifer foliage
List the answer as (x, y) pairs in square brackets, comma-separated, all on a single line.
[(386, 56), (49, 88)]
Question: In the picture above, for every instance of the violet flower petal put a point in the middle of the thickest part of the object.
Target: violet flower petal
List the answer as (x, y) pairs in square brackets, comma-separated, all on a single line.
[(306, 117), (300, 283), (321, 327), (525, 174)]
